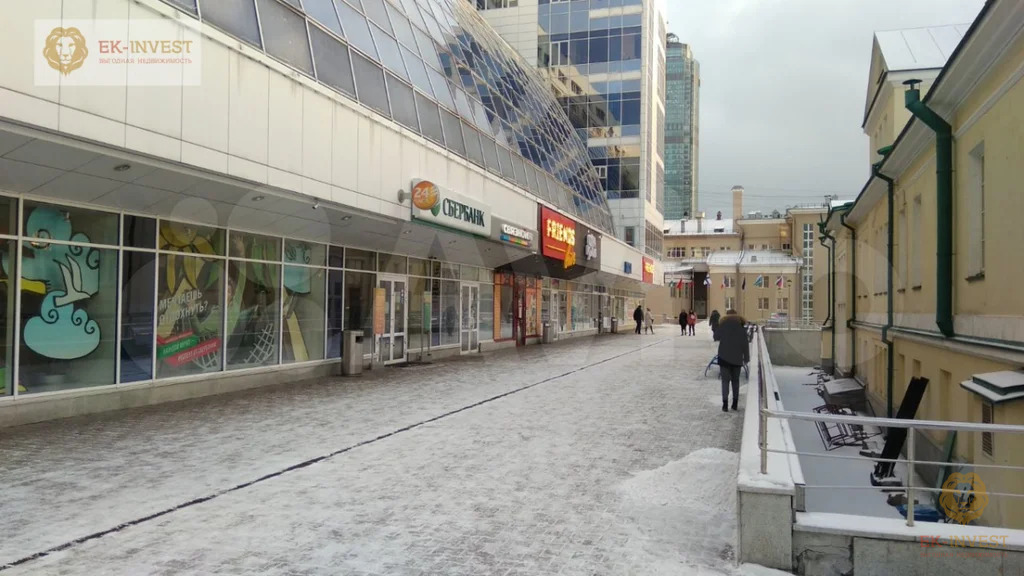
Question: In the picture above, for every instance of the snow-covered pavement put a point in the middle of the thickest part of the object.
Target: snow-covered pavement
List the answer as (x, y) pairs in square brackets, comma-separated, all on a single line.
[(603, 456)]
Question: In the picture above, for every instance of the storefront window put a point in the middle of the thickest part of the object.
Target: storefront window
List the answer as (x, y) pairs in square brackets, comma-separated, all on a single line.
[(450, 313), (418, 333), (69, 299), (255, 247), (191, 238), (139, 232), (7, 273), (138, 275), (335, 310), (360, 260), (508, 311), (302, 252), (190, 315), (392, 264), (486, 312), (359, 305), (304, 311)]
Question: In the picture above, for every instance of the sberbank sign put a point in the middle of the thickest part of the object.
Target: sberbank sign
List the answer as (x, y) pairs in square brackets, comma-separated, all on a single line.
[(447, 208)]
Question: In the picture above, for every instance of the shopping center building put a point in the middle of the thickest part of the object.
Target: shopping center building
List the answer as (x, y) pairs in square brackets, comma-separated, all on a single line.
[(199, 197)]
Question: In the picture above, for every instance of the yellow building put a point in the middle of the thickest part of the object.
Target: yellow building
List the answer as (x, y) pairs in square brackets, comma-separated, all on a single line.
[(927, 260), (727, 251)]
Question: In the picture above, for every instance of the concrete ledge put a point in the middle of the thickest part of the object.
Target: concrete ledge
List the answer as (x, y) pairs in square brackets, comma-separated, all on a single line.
[(897, 530), (33, 408), (819, 554), (766, 501)]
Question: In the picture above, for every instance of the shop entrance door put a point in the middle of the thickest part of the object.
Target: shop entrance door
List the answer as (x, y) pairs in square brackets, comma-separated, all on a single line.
[(393, 339), (470, 318)]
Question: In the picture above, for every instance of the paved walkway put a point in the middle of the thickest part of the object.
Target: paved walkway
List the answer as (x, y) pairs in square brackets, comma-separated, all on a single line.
[(603, 456)]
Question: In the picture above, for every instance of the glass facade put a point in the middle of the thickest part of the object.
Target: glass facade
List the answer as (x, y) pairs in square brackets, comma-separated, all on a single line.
[(681, 130), (605, 63), (436, 68), (109, 298)]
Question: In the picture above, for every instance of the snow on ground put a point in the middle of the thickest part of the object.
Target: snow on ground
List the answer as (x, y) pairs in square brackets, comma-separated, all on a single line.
[(797, 396), (606, 458)]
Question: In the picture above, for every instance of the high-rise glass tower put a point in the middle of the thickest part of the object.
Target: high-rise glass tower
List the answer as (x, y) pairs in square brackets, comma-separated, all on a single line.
[(606, 63), (682, 130)]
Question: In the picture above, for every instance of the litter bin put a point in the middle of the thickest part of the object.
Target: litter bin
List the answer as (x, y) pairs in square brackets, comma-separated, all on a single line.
[(352, 353), (546, 334), (615, 325)]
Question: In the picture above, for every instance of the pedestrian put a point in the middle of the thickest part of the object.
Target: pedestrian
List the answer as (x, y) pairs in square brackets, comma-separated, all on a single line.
[(683, 319), (713, 322), (692, 321), (733, 355), (650, 322), (638, 317)]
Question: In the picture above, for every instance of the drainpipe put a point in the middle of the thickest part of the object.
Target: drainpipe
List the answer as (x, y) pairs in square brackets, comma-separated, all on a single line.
[(889, 344), (831, 286), (943, 202), (853, 290)]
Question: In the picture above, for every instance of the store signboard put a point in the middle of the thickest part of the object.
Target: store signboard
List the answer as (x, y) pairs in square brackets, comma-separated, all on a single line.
[(447, 208), (648, 270), (506, 232), (569, 241)]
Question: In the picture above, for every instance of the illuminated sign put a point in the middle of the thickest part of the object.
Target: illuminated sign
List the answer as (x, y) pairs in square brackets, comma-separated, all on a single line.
[(507, 232), (446, 208), (569, 241), (559, 237), (648, 271)]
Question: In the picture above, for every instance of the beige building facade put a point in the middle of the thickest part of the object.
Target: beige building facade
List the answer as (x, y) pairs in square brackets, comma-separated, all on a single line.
[(784, 249), (927, 268)]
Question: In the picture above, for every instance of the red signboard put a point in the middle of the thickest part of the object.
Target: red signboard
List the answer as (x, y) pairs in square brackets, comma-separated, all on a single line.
[(558, 236), (648, 270)]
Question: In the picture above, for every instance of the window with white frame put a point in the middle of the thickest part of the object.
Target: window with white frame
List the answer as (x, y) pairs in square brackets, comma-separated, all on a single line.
[(560, 53), (763, 303), (730, 302), (730, 282), (976, 212), (807, 279), (783, 304), (602, 172), (915, 243), (629, 234)]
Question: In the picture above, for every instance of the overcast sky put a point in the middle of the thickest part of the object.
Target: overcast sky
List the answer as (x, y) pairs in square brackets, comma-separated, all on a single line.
[(783, 85)]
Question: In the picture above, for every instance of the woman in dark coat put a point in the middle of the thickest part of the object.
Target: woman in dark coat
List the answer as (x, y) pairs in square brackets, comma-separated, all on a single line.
[(682, 321), (713, 322)]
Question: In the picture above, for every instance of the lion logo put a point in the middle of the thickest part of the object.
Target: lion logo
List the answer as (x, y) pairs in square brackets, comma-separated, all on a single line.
[(65, 49), (963, 497)]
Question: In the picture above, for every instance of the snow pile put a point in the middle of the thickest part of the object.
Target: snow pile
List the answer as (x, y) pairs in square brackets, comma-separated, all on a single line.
[(703, 480)]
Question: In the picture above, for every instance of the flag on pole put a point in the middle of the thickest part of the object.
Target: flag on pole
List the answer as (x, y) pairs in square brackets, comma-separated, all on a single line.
[(778, 282), (680, 285), (707, 280), (744, 284), (723, 282), (759, 283)]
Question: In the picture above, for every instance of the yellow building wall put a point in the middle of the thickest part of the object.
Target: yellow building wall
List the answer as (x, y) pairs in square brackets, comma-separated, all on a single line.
[(693, 244), (946, 364), (1000, 128), (767, 232)]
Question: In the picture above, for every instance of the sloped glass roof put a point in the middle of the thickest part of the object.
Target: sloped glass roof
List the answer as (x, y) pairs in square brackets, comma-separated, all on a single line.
[(436, 67)]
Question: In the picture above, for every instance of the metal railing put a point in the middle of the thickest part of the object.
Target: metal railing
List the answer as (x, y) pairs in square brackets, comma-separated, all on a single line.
[(911, 425)]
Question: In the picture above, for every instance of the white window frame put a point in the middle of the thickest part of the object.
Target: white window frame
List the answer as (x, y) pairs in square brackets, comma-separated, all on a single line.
[(556, 53), (730, 302), (782, 304), (763, 303), (976, 212)]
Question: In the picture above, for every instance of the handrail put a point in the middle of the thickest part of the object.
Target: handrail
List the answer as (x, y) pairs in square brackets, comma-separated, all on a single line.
[(896, 422), (764, 374)]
